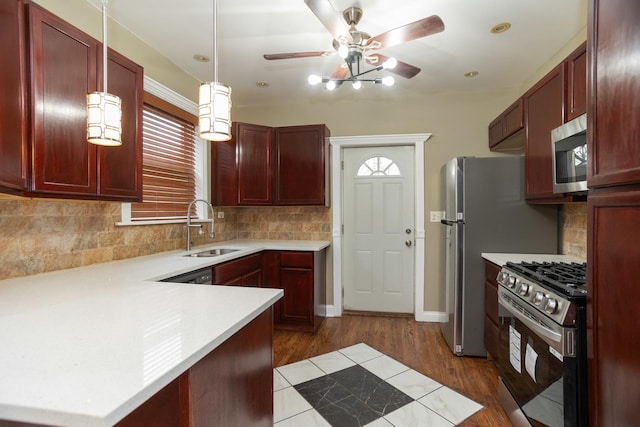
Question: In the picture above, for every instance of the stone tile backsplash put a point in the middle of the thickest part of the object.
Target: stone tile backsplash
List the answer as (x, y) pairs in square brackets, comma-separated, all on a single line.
[(41, 235), (573, 237)]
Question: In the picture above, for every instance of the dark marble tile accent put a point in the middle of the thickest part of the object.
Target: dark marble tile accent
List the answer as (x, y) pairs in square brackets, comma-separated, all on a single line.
[(352, 397)]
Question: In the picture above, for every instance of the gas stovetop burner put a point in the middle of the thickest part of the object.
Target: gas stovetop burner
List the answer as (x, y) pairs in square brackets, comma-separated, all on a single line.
[(568, 278)]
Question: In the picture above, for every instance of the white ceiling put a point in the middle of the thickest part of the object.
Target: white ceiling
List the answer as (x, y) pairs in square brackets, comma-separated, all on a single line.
[(247, 29)]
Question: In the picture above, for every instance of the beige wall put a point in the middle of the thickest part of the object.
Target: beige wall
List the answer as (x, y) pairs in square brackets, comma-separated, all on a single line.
[(57, 234)]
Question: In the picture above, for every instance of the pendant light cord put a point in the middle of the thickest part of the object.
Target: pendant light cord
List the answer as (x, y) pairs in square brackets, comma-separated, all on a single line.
[(215, 41), (104, 46)]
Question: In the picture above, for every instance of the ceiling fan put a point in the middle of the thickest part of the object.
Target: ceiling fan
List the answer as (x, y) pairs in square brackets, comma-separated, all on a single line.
[(354, 45)]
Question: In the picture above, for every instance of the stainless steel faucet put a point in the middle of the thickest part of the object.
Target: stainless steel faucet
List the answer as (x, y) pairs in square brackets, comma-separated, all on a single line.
[(212, 233)]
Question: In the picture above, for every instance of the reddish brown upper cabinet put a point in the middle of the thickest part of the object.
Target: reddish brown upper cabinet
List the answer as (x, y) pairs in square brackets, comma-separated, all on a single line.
[(13, 98), (302, 165), (64, 65), (506, 131), (269, 166), (576, 95), (614, 128), (543, 110)]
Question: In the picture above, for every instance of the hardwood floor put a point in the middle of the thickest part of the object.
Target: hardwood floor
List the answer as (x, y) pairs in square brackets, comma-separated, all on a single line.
[(418, 345)]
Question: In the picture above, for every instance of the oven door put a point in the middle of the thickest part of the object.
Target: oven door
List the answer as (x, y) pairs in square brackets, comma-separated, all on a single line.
[(533, 368)]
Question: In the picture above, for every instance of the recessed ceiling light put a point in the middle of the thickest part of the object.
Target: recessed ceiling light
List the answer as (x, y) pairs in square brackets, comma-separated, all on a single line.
[(201, 58), (500, 28), (471, 74), (262, 84)]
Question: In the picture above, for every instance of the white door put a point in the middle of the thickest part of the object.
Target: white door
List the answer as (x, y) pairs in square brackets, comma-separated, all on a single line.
[(378, 218)]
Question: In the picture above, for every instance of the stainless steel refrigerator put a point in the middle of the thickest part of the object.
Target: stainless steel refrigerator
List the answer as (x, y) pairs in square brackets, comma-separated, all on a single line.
[(485, 212)]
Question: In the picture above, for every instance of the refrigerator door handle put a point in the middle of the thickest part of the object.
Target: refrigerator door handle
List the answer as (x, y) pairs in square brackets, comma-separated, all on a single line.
[(451, 223)]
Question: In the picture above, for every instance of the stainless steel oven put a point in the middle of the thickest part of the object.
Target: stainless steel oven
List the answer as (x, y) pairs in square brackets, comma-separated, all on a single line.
[(542, 344)]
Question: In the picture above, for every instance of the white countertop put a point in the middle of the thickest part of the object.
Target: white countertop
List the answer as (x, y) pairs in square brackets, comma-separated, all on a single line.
[(502, 258), (86, 346)]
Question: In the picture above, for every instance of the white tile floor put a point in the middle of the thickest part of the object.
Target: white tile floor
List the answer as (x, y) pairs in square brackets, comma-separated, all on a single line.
[(434, 404)]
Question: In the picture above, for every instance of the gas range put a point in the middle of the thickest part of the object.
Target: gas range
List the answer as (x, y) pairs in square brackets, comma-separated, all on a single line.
[(554, 289)]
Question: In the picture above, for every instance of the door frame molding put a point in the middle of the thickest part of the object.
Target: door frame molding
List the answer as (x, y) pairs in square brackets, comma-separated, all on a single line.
[(338, 144)]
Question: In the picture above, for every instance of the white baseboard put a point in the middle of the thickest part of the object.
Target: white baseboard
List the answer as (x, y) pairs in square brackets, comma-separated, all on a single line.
[(425, 316), (431, 316)]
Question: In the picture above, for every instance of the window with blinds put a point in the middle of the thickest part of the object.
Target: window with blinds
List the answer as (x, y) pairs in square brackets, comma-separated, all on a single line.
[(169, 158)]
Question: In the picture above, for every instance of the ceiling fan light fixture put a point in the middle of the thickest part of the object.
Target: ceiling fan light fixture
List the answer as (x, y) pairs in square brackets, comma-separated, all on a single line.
[(104, 110), (357, 84), (390, 63), (214, 104), (331, 85), (388, 81), (314, 79)]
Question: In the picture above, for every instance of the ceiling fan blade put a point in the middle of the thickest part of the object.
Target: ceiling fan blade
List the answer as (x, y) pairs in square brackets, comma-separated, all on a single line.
[(402, 68), (331, 19), (340, 72), (272, 56), (415, 30)]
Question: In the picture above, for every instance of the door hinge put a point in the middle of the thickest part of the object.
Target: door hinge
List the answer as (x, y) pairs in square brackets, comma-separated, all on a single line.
[(342, 229), (342, 164)]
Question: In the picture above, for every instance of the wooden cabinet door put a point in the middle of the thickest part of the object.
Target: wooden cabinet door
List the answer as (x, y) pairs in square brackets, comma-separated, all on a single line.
[(63, 72), (491, 309), (543, 106), (513, 118), (255, 153), (496, 131), (13, 98), (614, 130), (224, 171), (576, 102), (612, 307), (120, 168), (301, 162), (296, 278)]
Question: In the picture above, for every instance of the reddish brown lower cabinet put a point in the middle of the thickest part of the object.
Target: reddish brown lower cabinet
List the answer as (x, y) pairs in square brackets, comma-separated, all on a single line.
[(613, 297), (491, 309), (231, 386), (302, 277), (245, 271)]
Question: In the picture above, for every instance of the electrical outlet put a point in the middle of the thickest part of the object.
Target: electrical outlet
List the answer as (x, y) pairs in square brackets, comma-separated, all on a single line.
[(220, 215), (436, 216)]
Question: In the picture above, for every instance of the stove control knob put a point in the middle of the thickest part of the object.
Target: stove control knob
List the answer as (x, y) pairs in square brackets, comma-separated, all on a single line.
[(538, 297), (511, 281), (523, 288), (551, 306)]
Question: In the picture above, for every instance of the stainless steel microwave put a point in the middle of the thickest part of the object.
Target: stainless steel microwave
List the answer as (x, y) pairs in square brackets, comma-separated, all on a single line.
[(569, 152)]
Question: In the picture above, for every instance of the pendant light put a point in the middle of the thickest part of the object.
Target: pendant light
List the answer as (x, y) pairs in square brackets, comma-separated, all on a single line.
[(214, 106), (104, 110)]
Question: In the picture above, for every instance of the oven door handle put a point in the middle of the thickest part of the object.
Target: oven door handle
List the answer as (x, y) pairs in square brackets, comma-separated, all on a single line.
[(545, 332)]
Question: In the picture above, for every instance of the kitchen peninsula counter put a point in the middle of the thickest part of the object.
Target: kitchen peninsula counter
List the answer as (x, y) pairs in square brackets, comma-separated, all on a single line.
[(87, 346)]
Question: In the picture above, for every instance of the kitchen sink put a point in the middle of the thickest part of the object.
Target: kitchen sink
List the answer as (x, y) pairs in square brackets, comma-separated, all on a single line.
[(213, 252)]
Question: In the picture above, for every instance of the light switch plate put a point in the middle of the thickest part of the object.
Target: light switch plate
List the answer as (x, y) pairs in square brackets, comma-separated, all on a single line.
[(220, 214), (436, 216)]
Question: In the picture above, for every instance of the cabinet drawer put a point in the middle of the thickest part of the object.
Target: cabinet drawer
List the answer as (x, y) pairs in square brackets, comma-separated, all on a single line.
[(491, 301), (491, 336), (296, 259), (233, 269)]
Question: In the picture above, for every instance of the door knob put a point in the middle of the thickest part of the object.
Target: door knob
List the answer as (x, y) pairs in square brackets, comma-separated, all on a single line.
[(408, 243)]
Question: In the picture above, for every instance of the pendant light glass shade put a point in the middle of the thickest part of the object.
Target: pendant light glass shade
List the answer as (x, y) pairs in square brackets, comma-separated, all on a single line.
[(214, 112), (104, 119), (104, 110), (214, 103)]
